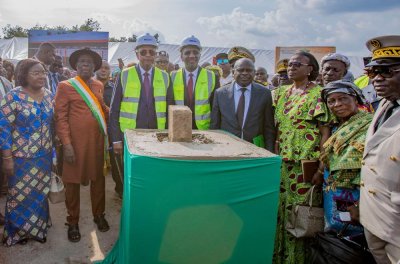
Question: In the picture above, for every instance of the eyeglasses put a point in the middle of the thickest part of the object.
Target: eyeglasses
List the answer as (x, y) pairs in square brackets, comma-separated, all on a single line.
[(297, 64), (385, 72), (37, 73), (283, 75), (222, 61), (147, 52)]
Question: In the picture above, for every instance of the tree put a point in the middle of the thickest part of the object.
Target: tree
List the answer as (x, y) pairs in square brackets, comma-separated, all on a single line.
[(14, 31), (89, 25), (156, 36)]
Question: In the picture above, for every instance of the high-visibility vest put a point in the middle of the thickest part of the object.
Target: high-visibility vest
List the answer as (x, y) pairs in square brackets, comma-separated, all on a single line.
[(205, 85), (362, 81), (131, 94)]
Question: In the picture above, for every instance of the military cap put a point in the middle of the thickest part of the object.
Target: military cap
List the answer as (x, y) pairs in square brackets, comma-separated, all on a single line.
[(282, 65), (238, 52), (385, 50)]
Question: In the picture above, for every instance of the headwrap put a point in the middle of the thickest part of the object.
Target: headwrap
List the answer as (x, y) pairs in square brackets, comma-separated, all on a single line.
[(343, 87), (336, 56), (348, 77)]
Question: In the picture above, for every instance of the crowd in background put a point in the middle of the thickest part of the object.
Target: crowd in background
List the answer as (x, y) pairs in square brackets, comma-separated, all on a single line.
[(307, 111)]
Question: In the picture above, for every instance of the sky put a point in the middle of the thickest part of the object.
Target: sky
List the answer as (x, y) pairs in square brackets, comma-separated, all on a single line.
[(260, 24)]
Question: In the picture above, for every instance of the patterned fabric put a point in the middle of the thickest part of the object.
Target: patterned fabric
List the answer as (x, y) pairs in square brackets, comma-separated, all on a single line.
[(337, 201), (27, 207), (344, 150), (297, 116), (26, 126)]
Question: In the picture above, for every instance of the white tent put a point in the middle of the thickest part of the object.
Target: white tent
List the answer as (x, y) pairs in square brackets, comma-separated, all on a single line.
[(16, 49)]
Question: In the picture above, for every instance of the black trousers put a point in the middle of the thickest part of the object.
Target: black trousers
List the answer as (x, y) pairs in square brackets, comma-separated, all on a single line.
[(117, 171)]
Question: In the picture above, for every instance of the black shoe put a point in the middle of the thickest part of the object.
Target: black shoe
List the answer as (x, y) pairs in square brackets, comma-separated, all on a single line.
[(43, 240), (101, 223), (23, 241), (73, 233)]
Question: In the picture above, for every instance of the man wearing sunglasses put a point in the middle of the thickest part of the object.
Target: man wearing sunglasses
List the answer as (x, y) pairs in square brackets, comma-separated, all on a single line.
[(194, 86), (162, 60), (380, 172), (223, 62), (140, 97)]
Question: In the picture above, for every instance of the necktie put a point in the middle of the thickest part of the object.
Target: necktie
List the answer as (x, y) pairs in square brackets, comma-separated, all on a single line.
[(147, 87), (240, 108), (54, 82), (385, 116), (190, 89)]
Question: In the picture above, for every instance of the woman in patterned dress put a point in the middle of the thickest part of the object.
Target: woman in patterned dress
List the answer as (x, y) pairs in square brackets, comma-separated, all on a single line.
[(26, 129), (301, 118)]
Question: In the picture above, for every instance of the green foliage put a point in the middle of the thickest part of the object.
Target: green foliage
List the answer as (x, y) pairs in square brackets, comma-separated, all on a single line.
[(14, 31)]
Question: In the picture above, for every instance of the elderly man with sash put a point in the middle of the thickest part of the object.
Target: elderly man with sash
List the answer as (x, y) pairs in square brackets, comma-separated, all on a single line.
[(141, 95), (194, 86), (81, 127)]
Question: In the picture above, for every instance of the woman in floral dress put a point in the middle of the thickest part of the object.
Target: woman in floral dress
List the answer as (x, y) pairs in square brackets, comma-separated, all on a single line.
[(26, 125), (302, 119)]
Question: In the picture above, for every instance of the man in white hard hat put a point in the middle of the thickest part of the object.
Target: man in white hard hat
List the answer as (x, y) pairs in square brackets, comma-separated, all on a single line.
[(194, 86), (140, 97)]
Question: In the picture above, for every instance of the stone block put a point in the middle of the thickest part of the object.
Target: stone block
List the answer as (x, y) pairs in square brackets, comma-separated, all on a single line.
[(179, 123)]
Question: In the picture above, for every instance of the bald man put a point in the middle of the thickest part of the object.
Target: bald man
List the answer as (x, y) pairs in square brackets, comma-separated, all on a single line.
[(253, 119)]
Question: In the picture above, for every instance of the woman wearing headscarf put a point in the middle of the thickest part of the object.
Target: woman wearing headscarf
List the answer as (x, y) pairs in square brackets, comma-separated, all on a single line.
[(343, 154), (335, 67), (301, 119), (26, 122)]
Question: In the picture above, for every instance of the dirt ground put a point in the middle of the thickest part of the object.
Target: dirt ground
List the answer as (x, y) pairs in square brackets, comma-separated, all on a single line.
[(93, 246)]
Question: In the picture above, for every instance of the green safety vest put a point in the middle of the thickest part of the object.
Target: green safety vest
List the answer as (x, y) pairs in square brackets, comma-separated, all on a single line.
[(205, 85), (362, 81), (131, 87)]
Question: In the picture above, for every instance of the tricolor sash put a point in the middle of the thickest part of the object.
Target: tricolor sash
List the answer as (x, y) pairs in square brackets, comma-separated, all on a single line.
[(91, 101)]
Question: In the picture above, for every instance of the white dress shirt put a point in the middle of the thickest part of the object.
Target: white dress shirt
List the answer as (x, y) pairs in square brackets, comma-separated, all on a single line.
[(143, 71), (237, 93)]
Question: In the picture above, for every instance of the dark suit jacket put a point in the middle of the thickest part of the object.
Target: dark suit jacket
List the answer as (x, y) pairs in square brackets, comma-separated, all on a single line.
[(260, 115)]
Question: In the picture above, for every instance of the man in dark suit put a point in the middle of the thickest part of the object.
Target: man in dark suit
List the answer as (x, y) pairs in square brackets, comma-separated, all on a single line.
[(244, 108)]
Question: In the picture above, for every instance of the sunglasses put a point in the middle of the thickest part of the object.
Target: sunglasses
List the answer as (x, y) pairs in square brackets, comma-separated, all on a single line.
[(297, 64), (385, 72), (222, 61), (147, 52)]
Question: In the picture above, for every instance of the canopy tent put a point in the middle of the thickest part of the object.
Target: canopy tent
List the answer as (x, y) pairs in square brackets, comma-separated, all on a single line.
[(16, 49)]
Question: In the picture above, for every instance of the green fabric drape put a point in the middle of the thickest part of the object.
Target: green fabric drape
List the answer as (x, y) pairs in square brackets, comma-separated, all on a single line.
[(197, 211)]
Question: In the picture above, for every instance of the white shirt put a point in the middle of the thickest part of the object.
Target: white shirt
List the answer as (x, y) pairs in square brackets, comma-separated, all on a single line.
[(143, 71), (195, 73), (247, 94)]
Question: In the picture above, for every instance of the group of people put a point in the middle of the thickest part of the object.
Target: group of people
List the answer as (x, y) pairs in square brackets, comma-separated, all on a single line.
[(330, 122)]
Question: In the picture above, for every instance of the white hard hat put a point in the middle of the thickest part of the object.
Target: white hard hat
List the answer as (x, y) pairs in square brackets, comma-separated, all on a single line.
[(190, 41), (146, 39)]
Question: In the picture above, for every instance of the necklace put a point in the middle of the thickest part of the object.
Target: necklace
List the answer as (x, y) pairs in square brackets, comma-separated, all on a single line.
[(299, 91)]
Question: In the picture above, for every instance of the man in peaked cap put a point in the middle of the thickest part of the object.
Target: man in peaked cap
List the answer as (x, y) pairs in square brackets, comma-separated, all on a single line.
[(238, 52), (81, 126), (380, 172)]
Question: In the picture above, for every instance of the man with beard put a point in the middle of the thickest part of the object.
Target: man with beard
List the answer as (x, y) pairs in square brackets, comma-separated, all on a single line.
[(193, 85)]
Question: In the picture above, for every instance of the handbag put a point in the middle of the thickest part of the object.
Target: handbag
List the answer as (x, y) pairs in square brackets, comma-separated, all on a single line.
[(305, 220), (333, 248), (57, 190)]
